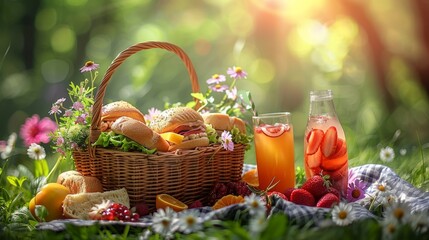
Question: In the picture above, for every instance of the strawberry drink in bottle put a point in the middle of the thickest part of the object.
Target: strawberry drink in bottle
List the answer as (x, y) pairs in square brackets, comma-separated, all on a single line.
[(325, 148), (274, 147)]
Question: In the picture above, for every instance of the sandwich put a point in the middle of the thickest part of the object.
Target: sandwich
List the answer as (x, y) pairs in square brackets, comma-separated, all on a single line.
[(223, 122), (183, 121), (112, 111), (138, 131)]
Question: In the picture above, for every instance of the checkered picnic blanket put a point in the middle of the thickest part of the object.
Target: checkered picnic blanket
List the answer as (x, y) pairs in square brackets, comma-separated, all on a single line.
[(301, 215)]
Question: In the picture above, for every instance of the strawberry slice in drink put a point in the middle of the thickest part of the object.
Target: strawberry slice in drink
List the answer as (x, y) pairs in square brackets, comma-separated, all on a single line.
[(314, 160), (341, 149), (332, 164), (274, 130), (329, 142), (314, 138)]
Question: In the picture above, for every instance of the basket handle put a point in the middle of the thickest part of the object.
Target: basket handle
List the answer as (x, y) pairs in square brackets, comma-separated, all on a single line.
[(122, 56)]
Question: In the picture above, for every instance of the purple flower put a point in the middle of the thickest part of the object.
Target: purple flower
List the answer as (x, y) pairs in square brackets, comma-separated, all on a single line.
[(54, 109), (218, 87), (226, 140), (89, 66), (216, 79), (68, 113), (60, 101), (37, 131), (356, 190), (232, 94), (236, 72), (78, 106), (81, 119)]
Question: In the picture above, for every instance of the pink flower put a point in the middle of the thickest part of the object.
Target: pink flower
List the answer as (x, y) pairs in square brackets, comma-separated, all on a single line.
[(37, 131), (60, 141), (218, 87), (54, 109), (81, 119), (236, 72), (151, 113), (226, 139), (232, 94), (68, 113), (216, 79), (78, 106), (89, 66), (60, 101)]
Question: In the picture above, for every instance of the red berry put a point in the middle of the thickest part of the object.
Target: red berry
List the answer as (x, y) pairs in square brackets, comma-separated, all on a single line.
[(288, 191), (328, 200), (279, 194), (317, 186), (302, 197), (142, 209), (334, 191), (196, 204)]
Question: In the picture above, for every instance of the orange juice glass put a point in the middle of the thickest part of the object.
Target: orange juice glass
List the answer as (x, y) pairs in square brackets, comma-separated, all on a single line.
[(274, 147)]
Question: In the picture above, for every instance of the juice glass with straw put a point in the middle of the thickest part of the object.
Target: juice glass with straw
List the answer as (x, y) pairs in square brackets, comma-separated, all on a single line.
[(274, 147)]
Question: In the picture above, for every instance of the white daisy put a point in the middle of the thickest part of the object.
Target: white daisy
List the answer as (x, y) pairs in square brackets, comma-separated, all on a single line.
[(164, 221), (420, 222), (257, 224), (8, 148), (190, 221), (36, 152), (382, 189), (342, 214), (390, 226), (387, 154), (398, 211), (256, 205)]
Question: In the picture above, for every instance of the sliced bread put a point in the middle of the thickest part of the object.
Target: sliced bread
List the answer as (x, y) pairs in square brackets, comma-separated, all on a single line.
[(79, 205)]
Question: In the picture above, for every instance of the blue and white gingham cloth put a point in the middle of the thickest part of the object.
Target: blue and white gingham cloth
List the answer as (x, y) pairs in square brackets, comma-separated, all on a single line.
[(298, 214)]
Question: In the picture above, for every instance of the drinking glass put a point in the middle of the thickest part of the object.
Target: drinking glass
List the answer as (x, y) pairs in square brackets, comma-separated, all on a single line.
[(274, 147)]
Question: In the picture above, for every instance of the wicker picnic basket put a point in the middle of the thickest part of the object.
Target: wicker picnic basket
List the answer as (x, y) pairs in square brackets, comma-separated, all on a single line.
[(188, 175)]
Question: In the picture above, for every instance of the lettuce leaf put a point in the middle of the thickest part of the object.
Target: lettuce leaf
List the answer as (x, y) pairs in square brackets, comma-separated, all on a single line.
[(118, 141)]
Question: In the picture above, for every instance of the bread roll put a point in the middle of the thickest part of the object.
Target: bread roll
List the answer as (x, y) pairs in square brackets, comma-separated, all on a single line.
[(184, 121), (77, 183), (112, 111), (223, 122), (139, 132), (79, 205)]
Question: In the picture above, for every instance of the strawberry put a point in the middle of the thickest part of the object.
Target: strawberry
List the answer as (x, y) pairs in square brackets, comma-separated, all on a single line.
[(317, 185), (302, 197), (333, 163), (334, 191), (327, 200), (279, 194), (288, 191), (329, 142), (314, 138)]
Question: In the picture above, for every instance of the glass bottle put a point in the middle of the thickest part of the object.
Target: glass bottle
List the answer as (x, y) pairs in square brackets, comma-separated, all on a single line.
[(325, 148)]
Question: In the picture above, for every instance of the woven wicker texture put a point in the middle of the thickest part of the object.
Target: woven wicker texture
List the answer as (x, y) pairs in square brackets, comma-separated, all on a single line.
[(188, 175)]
